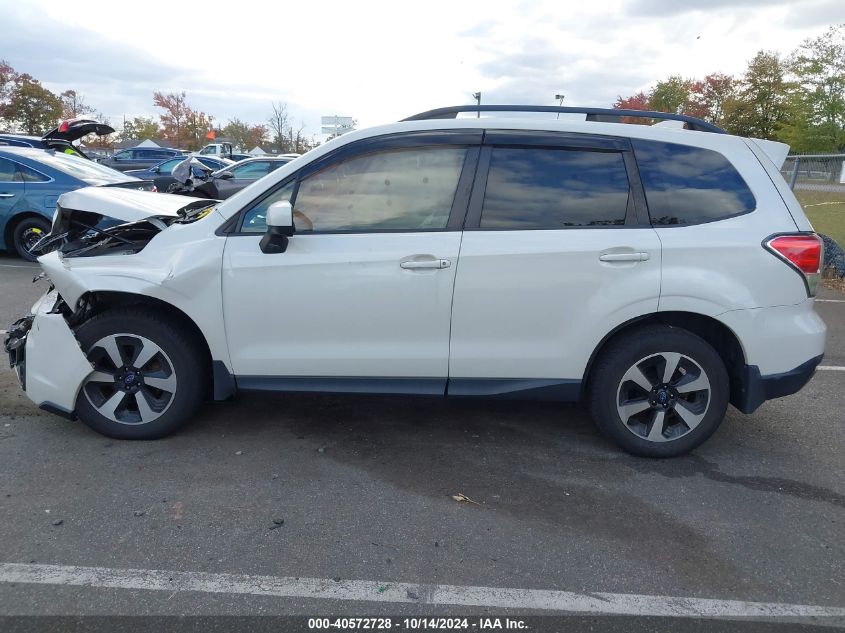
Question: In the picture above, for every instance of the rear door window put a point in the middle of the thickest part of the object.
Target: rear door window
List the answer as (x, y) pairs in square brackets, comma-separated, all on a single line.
[(533, 188), (690, 185)]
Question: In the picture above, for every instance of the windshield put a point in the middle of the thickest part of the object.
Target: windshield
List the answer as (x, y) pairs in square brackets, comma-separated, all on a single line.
[(86, 170)]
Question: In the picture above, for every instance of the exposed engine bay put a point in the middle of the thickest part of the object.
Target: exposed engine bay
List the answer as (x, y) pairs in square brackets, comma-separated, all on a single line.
[(78, 233)]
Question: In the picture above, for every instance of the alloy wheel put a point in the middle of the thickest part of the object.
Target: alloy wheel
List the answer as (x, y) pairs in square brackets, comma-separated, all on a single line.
[(663, 397), (133, 380)]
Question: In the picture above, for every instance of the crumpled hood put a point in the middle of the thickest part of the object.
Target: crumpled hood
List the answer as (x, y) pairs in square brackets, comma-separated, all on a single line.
[(128, 205)]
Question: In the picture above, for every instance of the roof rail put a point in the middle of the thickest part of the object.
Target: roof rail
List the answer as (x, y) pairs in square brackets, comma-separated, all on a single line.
[(593, 114)]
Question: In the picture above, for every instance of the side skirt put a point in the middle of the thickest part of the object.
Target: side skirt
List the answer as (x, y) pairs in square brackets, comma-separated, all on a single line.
[(511, 388)]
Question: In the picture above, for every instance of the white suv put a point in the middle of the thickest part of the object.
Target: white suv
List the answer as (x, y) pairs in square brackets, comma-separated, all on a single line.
[(655, 272)]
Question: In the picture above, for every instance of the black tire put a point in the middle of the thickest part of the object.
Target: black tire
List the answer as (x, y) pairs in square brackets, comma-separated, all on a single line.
[(646, 344), (25, 231), (180, 356)]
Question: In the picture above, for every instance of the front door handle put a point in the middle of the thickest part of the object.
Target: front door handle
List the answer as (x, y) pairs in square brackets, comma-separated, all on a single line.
[(624, 257), (426, 263), (7, 195)]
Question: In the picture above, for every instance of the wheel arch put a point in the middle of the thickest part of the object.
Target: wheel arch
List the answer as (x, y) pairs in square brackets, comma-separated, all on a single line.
[(717, 334), (220, 383)]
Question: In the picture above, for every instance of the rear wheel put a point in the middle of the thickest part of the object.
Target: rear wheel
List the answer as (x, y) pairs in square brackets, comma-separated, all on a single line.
[(26, 234), (147, 378), (659, 391)]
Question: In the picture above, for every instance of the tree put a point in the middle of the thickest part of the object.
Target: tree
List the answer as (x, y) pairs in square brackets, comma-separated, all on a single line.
[(244, 135), (140, 128), (197, 125), (279, 126), (73, 105), (818, 66), (764, 101), (256, 137), (671, 95), (174, 117), (31, 106), (708, 97), (7, 80), (638, 101), (92, 140)]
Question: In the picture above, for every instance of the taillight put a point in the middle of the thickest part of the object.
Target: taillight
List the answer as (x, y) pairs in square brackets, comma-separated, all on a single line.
[(804, 252)]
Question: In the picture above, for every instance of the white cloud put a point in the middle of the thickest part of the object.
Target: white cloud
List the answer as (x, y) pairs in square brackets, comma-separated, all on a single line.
[(382, 61)]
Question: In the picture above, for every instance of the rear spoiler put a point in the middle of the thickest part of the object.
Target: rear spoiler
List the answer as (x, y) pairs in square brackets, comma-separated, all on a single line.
[(777, 152)]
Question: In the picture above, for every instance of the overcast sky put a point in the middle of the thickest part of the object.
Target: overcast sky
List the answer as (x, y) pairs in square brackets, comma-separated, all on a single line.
[(382, 61)]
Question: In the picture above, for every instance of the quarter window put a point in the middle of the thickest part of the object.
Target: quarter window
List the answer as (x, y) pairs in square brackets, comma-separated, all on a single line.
[(30, 175), (690, 185), (554, 189)]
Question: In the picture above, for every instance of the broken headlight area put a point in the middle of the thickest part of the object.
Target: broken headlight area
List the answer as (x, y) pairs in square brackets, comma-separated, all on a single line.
[(87, 234)]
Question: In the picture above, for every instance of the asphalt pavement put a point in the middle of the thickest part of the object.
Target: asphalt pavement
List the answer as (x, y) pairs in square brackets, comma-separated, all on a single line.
[(354, 489)]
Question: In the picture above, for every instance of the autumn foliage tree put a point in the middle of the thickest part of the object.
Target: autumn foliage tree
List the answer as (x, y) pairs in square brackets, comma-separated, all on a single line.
[(140, 128), (182, 126), (244, 135), (763, 99), (73, 105), (708, 97), (30, 106)]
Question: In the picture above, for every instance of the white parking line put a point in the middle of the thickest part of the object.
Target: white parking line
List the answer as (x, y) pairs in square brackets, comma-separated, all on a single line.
[(830, 368), (830, 300), (33, 267), (391, 592)]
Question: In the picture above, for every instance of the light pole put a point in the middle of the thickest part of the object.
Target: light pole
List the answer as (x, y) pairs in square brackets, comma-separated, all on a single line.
[(477, 97), (560, 99)]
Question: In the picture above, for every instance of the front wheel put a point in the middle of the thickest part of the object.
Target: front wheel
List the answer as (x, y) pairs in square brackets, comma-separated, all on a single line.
[(659, 391), (147, 379)]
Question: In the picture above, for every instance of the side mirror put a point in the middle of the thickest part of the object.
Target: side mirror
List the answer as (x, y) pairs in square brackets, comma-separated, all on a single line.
[(279, 228), (226, 175), (156, 170)]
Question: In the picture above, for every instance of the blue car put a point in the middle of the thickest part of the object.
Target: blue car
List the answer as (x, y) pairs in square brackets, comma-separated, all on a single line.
[(31, 181)]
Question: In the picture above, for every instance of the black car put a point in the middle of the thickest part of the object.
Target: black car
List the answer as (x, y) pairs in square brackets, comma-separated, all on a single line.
[(61, 138), (230, 180), (161, 173), (140, 157)]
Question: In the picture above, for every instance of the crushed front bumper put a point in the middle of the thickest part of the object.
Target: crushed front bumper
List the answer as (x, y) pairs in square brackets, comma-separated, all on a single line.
[(15, 346), (47, 358)]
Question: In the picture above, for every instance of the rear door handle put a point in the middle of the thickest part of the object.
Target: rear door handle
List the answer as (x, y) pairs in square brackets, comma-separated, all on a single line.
[(7, 195), (624, 257), (426, 263)]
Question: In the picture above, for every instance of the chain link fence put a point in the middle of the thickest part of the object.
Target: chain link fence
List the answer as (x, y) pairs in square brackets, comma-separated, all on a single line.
[(815, 172)]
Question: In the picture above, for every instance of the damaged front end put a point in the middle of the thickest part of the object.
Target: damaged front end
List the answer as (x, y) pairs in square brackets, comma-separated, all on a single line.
[(46, 356), (77, 233), (42, 346)]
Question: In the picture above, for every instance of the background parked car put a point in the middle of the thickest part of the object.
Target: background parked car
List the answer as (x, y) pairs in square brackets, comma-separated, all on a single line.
[(31, 181), (161, 174), (140, 157), (61, 138), (228, 181)]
